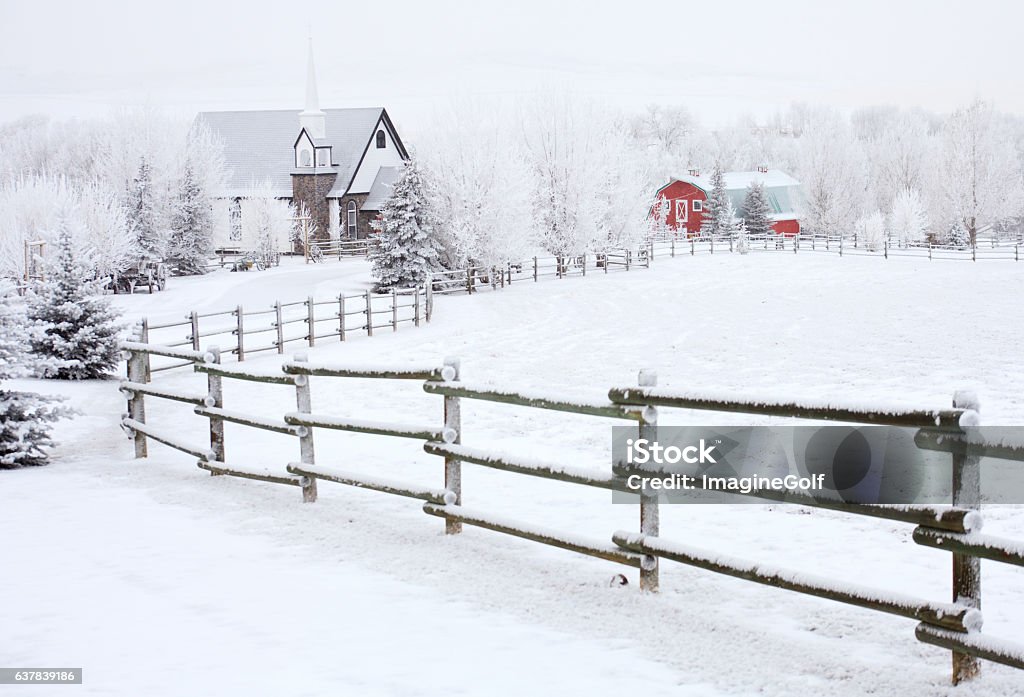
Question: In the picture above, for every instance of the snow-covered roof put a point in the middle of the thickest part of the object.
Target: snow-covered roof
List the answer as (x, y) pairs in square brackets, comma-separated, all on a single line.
[(383, 184), (258, 145), (773, 178)]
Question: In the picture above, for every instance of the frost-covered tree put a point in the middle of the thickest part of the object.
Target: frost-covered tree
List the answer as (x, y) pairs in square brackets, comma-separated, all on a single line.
[(871, 231), (832, 175), (980, 174), (742, 237), (25, 417), (908, 222), (267, 222), (756, 211), (958, 236), (77, 326), (408, 249), (716, 216), (191, 242), (729, 225), (142, 214)]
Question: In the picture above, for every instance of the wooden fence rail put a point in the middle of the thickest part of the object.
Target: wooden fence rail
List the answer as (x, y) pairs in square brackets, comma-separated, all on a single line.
[(954, 625), (347, 315)]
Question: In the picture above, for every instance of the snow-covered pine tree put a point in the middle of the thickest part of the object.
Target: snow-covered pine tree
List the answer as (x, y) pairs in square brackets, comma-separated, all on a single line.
[(729, 225), (25, 417), (407, 249), (142, 215), (742, 237), (713, 218), (756, 212), (958, 236), (77, 326), (191, 242)]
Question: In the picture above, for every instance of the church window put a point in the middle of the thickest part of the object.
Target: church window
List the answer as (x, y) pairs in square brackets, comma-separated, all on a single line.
[(235, 220), (381, 139), (304, 159)]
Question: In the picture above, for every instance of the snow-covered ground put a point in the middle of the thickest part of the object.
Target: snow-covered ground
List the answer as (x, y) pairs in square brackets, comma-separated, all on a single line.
[(157, 579)]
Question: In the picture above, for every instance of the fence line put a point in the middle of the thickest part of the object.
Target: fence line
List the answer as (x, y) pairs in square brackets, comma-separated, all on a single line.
[(347, 314), (954, 626)]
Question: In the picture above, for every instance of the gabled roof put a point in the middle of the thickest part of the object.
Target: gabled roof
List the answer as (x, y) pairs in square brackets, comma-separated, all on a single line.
[(773, 178), (259, 145), (380, 191)]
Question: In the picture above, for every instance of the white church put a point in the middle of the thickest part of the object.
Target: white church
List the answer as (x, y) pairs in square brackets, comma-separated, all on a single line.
[(340, 163)]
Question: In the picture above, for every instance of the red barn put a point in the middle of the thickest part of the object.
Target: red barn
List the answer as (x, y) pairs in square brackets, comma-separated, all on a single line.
[(684, 198)]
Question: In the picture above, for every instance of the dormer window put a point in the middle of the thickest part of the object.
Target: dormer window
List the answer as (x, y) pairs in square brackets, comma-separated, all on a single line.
[(323, 157), (305, 159), (382, 141)]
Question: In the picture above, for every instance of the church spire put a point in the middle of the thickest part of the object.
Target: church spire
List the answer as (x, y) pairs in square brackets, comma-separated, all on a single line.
[(311, 118)]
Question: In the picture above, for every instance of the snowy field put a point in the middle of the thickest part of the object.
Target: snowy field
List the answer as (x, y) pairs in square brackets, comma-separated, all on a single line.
[(226, 586)]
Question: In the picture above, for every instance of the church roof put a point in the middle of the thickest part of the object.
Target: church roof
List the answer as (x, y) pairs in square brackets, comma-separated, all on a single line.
[(258, 145), (383, 185)]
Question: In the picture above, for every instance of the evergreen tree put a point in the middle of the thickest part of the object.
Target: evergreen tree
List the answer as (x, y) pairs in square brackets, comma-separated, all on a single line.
[(408, 247), (756, 212), (713, 219), (742, 237), (142, 216), (25, 417), (191, 241), (958, 236), (77, 326)]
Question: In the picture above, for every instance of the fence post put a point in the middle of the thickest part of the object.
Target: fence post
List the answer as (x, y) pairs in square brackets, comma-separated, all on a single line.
[(1016, 252), (469, 280), (280, 327), (840, 245), (310, 317), (215, 399), (605, 258), (629, 259), (304, 405), (693, 246), (649, 522), (966, 569), (416, 306), (885, 249), (193, 319), (240, 331), (929, 251), (428, 301), (558, 267), (650, 253), (673, 246), (974, 252), (341, 316), (535, 269), (369, 313), (394, 309), (452, 466), (136, 405), (144, 338), (584, 258), (712, 245)]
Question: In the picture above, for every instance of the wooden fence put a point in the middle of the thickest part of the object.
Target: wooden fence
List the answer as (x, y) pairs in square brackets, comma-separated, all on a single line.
[(951, 625), (271, 328)]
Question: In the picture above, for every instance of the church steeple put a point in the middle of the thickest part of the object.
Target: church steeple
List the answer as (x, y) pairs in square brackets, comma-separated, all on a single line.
[(311, 118)]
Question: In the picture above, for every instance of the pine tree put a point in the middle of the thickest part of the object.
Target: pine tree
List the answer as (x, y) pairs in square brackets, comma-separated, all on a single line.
[(408, 248), (191, 241), (713, 219), (756, 212), (958, 236), (25, 417), (142, 215), (77, 326)]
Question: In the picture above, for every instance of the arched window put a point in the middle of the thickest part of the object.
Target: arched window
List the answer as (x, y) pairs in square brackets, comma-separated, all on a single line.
[(382, 141), (305, 160), (351, 223)]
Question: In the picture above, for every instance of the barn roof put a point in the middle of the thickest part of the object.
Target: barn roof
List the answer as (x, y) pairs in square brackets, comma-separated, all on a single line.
[(773, 178), (383, 185), (258, 145)]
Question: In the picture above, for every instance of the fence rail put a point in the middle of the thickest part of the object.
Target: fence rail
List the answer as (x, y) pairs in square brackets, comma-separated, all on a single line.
[(955, 625), (348, 315)]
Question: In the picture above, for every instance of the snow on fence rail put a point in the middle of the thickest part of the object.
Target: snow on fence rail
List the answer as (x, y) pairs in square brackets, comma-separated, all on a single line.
[(269, 329), (956, 529)]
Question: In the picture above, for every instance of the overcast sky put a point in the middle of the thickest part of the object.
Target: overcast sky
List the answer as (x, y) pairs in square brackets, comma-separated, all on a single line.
[(720, 59)]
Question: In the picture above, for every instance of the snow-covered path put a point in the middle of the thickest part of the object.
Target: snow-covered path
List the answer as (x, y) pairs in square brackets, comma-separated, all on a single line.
[(278, 577)]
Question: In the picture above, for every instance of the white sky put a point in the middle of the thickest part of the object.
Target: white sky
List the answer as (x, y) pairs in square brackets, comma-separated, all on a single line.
[(722, 60)]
